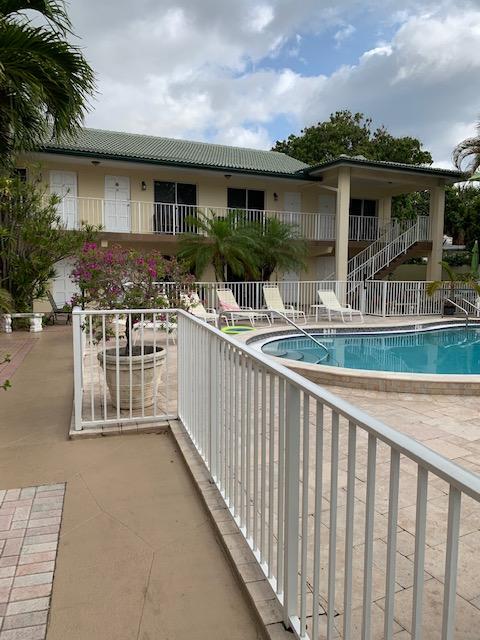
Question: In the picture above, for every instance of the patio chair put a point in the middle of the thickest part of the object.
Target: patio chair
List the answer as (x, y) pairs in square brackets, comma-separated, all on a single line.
[(231, 311), (274, 302), (333, 307), (56, 312), (195, 306)]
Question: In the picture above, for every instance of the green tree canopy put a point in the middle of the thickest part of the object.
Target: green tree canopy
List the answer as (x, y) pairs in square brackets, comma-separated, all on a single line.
[(352, 134), (45, 81)]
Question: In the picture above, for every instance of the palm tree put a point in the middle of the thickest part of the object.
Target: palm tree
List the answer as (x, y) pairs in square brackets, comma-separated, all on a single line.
[(469, 148), (280, 247), (45, 81), (226, 242)]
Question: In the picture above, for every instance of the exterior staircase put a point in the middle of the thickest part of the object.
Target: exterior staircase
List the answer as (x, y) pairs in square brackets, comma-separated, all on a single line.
[(388, 251)]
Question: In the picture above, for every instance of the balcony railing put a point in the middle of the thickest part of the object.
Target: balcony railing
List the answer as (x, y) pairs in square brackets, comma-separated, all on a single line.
[(327, 497), (130, 216)]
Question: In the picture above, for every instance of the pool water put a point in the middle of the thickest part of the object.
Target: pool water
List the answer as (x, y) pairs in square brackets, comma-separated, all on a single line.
[(436, 351)]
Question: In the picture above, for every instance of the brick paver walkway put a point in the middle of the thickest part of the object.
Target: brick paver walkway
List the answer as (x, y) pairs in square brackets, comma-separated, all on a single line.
[(29, 527), (14, 347)]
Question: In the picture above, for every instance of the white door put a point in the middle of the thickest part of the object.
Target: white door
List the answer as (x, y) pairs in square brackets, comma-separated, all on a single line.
[(64, 184), (117, 204), (326, 219), (63, 288), (292, 202)]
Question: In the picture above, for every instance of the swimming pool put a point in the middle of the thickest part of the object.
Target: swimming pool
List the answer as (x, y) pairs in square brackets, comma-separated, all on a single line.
[(453, 351)]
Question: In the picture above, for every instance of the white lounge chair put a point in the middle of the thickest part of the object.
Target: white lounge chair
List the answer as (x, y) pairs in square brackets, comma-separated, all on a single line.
[(231, 311), (333, 307), (195, 306), (274, 302)]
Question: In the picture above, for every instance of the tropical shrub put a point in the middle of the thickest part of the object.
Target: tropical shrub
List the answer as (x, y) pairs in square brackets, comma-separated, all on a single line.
[(32, 240), (123, 278)]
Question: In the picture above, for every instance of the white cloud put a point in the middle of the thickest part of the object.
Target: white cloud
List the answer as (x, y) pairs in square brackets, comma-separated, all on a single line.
[(197, 69), (344, 33)]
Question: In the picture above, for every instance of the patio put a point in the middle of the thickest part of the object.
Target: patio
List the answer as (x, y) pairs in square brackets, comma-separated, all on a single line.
[(106, 512), (137, 555)]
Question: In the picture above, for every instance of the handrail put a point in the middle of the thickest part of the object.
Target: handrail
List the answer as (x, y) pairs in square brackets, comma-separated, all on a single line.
[(294, 324), (461, 309), (477, 309)]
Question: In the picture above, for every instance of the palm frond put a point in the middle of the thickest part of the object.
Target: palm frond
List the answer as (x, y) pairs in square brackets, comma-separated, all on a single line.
[(52, 10), (468, 149)]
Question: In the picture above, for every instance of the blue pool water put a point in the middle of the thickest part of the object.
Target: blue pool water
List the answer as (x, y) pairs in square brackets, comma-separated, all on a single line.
[(435, 351)]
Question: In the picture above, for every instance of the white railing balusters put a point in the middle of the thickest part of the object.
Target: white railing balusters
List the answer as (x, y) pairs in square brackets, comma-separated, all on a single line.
[(292, 482), (332, 537), (419, 562), (369, 524), (391, 543), (304, 512), (451, 564), (349, 523)]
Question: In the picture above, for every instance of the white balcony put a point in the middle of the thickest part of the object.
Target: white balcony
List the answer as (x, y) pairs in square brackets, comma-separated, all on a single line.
[(130, 216)]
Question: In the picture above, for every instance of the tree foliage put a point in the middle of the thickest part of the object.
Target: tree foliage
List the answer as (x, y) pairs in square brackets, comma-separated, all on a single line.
[(45, 81), (32, 240), (352, 134)]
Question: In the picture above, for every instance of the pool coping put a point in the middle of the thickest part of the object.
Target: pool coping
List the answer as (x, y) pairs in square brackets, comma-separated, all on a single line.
[(374, 380)]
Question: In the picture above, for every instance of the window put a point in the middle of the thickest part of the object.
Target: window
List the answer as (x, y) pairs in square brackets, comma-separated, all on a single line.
[(174, 203), (360, 207), (250, 199)]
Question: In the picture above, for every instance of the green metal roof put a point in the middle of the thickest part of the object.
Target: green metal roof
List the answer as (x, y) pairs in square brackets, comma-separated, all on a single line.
[(115, 145), (383, 164), (169, 151)]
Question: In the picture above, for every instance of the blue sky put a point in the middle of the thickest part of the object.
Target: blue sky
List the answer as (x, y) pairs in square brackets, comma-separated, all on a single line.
[(248, 73)]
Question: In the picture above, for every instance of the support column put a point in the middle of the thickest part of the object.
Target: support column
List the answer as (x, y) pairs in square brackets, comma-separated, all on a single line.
[(341, 224), (385, 211), (437, 214)]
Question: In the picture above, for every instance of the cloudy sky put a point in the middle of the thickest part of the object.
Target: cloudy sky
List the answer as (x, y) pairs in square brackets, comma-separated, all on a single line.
[(249, 72)]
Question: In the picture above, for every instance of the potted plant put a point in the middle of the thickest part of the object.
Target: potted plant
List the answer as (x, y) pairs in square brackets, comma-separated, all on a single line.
[(469, 280), (121, 278)]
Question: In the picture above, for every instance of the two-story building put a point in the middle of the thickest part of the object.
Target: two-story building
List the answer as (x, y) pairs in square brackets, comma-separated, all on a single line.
[(142, 190)]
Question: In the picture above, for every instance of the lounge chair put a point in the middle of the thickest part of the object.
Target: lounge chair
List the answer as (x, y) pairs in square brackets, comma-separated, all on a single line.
[(231, 311), (274, 302), (56, 312), (333, 307), (195, 306)]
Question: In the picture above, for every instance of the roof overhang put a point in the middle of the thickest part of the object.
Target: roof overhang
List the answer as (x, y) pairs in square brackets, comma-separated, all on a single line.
[(92, 155), (416, 172)]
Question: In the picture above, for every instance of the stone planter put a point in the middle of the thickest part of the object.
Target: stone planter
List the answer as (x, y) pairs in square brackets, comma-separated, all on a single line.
[(152, 364)]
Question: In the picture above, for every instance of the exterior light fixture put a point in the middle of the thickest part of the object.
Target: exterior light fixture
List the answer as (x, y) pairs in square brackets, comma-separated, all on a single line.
[(275, 197), (95, 163), (144, 185), (228, 176)]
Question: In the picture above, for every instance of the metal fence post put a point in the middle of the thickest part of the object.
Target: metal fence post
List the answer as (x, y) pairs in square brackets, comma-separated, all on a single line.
[(212, 401), (77, 368), (292, 486)]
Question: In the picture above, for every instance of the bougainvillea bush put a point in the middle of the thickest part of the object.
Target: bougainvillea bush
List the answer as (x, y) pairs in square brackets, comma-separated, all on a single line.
[(122, 278)]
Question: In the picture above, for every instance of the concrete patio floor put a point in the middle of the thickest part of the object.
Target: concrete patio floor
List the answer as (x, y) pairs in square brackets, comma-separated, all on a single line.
[(137, 558)]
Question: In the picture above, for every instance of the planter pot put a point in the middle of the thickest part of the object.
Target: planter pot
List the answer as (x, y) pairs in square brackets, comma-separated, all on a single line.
[(150, 362), (448, 309)]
